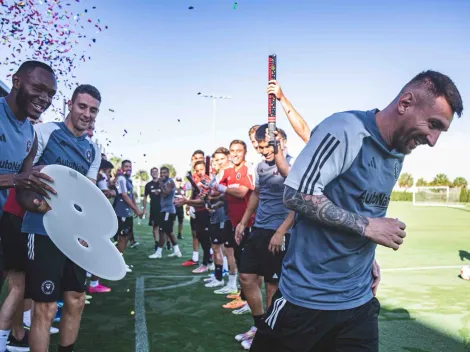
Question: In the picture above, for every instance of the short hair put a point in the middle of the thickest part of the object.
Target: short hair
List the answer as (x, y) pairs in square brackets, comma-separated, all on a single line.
[(86, 89), (105, 164), (200, 162), (437, 85), (198, 152), (165, 168), (282, 133), (260, 135), (222, 150), (252, 130), (125, 162), (238, 141), (30, 65), (153, 168)]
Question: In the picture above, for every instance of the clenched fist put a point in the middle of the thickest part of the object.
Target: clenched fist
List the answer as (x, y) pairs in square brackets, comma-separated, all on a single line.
[(386, 232)]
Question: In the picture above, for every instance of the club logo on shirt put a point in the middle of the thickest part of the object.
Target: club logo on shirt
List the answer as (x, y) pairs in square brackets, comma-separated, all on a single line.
[(239, 176), (88, 155), (47, 287), (396, 169), (28, 146)]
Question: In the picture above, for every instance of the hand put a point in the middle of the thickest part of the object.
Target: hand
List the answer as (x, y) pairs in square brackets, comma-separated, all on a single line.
[(180, 202), (276, 245), (376, 275), (239, 232), (275, 88), (386, 232), (139, 213), (31, 180), (41, 206), (187, 210)]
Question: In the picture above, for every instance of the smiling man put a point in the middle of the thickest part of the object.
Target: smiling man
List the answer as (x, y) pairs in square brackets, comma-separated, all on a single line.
[(339, 188), (50, 275)]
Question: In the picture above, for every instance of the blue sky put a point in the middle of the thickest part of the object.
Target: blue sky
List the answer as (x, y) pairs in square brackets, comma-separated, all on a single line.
[(332, 56)]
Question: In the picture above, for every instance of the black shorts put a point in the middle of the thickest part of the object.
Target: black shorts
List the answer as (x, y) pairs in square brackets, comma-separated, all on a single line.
[(229, 235), (180, 214), (125, 225), (154, 217), (202, 222), (166, 222), (257, 259), (14, 244), (49, 272), (216, 232), (288, 327)]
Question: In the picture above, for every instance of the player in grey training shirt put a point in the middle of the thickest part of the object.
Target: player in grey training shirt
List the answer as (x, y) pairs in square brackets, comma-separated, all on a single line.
[(340, 187)]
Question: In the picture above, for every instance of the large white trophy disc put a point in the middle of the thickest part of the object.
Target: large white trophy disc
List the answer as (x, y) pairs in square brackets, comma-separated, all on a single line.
[(81, 211)]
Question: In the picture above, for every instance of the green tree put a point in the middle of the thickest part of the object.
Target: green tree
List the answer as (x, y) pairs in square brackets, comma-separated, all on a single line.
[(459, 182), (406, 180), (421, 182), (142, 175), (116, 161), (171, 168), (463, 198), (441, 180)]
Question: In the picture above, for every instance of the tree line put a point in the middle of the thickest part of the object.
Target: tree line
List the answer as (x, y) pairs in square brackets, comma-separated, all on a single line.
[(406, 181)]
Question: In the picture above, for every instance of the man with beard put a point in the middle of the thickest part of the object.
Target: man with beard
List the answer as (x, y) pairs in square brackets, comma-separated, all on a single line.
[(167, 213), (34, 86), (125, 206), (63, 143), (340, 203), (152, 190)]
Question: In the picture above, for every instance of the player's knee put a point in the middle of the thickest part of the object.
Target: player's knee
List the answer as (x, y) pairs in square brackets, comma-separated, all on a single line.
[(74, 300), (248, 279), (45, 311), (16, 282)]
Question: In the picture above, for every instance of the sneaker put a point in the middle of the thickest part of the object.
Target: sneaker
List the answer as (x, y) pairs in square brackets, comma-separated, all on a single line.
[(210, 278), (53, 330), (175, 254), (245, 309), (215, 283), (201, 269), (250, 334), (15, 345), (247, 344), (234, 296), (135, 244), (211, 267), (226, 290), (189, 262), (87, 302), (235, 304), (155, 255), (88, 297), (180, 237), (128, 270), (98, 289)]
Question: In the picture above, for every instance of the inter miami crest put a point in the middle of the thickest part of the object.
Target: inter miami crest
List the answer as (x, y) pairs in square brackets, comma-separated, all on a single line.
[(396, 169), (88, 155), (238, 176), (47, 287), (29, 144)]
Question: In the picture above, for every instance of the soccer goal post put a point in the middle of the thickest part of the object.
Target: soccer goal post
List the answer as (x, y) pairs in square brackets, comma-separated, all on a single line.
[(436, 196)]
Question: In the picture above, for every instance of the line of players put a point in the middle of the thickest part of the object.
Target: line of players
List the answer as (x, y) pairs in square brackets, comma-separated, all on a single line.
[(236, 214)]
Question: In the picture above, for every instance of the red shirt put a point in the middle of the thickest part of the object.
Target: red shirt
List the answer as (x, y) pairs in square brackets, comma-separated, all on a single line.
[(12, 206), (234, 179)]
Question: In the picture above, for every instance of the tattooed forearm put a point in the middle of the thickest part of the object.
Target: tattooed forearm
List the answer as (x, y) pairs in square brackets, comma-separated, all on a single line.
[(321, 209)]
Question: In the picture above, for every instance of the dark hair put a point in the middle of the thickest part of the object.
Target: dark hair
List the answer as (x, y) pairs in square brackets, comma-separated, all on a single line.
[(222, 150), (260, 134), (200, 162), (153, 168), (31, 65), (198, 152), (437, 85), (238, 141), (125, 162), (164, 168), (105, 164), (252, 130), (86, 89)]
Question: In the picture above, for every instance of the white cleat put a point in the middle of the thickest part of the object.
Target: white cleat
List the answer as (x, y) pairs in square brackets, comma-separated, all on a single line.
[(226, 290), (211, 267), (155, 255), (175, 254), (242, 310), (215, 283), (53, 330), (249, 335)]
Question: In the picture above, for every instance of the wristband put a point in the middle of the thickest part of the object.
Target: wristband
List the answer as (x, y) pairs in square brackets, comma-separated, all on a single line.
[(221, 188)]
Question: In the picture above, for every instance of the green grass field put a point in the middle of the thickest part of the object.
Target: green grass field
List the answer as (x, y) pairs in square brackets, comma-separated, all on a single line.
[(424, 308)]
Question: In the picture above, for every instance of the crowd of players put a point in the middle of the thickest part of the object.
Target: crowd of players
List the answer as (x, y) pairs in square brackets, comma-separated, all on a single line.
[(308, 227)]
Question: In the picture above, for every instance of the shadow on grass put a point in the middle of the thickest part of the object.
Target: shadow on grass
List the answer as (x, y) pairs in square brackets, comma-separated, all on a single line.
[(464, 255), (400, 331)]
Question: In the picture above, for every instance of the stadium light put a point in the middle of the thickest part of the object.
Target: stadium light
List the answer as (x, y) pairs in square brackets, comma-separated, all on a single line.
[(214, 99)]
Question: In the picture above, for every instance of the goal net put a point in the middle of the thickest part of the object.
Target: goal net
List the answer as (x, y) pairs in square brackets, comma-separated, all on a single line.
[(436, 196)]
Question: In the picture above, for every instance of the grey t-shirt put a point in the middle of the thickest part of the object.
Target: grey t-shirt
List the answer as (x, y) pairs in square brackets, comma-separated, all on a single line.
[(123, 185), (271, 211), (347, 160)]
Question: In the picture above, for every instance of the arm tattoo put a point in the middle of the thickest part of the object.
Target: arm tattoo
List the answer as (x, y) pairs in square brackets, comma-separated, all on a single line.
[(321, 209)]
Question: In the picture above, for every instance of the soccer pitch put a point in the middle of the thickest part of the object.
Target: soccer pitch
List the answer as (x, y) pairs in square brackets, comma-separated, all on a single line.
[(162, 307)]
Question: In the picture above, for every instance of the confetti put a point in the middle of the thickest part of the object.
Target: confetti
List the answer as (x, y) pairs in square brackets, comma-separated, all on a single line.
[(235, 5), (111, 110), (179, 120), (132, 312), (190, 8)]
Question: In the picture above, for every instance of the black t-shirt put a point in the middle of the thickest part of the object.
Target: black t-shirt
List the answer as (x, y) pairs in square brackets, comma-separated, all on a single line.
[(152, 189)]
